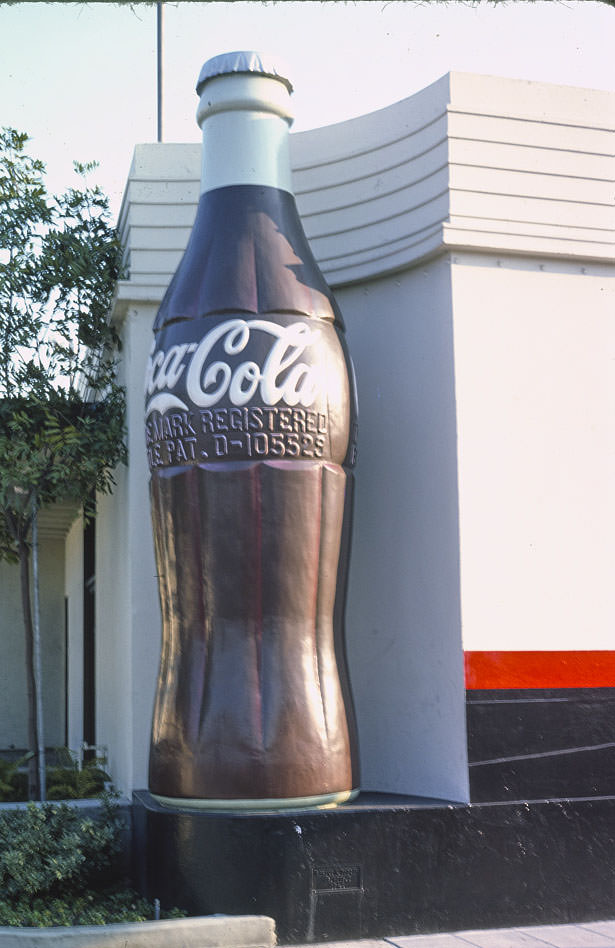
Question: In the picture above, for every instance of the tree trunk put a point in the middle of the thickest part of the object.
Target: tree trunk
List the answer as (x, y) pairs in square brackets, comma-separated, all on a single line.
[(33, 737)]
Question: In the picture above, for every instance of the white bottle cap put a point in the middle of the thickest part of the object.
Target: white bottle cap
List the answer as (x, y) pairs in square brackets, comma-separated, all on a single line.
[(242, 62), (243, 81)]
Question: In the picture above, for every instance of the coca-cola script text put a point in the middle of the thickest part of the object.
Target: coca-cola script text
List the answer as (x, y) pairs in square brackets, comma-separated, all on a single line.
[(283, 375)]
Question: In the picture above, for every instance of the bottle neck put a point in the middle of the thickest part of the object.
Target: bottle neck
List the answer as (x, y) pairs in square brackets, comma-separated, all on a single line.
[(245, 147), (245, 121)]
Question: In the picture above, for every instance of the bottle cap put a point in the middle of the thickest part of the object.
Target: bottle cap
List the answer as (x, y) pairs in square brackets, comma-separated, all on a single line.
[(242, 61)]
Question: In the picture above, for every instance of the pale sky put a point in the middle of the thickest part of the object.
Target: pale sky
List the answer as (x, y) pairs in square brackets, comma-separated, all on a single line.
[(80, 78)]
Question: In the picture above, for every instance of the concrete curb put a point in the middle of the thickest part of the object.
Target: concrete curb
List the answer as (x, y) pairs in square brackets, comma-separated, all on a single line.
[(212, 931)]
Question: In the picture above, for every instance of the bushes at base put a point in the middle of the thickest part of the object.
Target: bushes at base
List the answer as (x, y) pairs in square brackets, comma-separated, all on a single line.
[(51, 849), (59, 867), (88, 908)]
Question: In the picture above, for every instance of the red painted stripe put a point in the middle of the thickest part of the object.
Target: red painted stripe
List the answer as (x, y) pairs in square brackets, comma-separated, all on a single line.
[(584, 669)]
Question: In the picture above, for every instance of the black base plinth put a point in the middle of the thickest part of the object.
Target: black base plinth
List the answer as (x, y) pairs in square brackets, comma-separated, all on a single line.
[(383, 865)]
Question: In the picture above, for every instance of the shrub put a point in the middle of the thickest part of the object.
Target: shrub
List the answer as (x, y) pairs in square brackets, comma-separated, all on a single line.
[(51, 849), (65, 781), (13, 782), (88, 908), (69, 781), (59, 867)]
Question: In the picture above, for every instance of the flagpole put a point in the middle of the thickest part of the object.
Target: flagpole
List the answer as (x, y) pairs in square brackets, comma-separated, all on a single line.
[(159, 24)]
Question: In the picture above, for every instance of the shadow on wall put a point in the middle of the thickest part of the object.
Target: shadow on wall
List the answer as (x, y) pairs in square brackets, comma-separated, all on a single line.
[(403, 619)]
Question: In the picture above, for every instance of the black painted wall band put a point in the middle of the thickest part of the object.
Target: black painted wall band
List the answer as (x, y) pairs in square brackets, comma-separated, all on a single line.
[(536, 744)]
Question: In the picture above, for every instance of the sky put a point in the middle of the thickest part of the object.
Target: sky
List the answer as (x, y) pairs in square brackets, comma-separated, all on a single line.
[(80, 78)]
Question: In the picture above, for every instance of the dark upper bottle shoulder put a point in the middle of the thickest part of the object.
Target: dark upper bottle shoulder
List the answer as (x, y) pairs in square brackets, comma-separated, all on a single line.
[(247, 253)]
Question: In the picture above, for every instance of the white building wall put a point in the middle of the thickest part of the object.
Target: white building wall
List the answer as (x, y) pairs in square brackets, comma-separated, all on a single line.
[(113, 692), (14, 716), (127, 609), (534, 357), (403, 620), (145, 607), (13, 701), (53, 623)]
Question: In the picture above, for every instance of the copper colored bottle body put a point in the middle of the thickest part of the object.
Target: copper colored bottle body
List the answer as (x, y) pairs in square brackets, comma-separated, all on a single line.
[(250, 704), (250, 431)]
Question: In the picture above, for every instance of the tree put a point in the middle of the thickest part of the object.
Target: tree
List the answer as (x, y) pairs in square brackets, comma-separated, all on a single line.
[(62, 429)]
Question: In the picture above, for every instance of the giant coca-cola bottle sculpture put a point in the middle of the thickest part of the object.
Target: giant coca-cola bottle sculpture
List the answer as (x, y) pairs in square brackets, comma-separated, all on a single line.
[(250, 427)]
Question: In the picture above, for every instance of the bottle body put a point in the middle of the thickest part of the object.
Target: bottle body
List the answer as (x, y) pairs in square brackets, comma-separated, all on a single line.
[(249, 705), (250, 427)]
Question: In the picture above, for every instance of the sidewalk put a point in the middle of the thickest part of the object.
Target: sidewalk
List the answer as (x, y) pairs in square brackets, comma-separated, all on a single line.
[(585, 935)]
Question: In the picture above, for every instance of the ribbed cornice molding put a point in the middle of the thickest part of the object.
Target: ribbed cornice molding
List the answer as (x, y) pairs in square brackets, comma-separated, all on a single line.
[(55, 520), (470, 162)]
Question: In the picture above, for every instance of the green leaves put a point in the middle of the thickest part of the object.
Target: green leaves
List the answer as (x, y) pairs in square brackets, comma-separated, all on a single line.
[(58, 867), (62, 429), (60, 259), (45, 849)]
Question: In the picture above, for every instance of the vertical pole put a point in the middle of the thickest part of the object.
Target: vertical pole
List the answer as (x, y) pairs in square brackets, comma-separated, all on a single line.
[(38, 670), (159, 24)]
